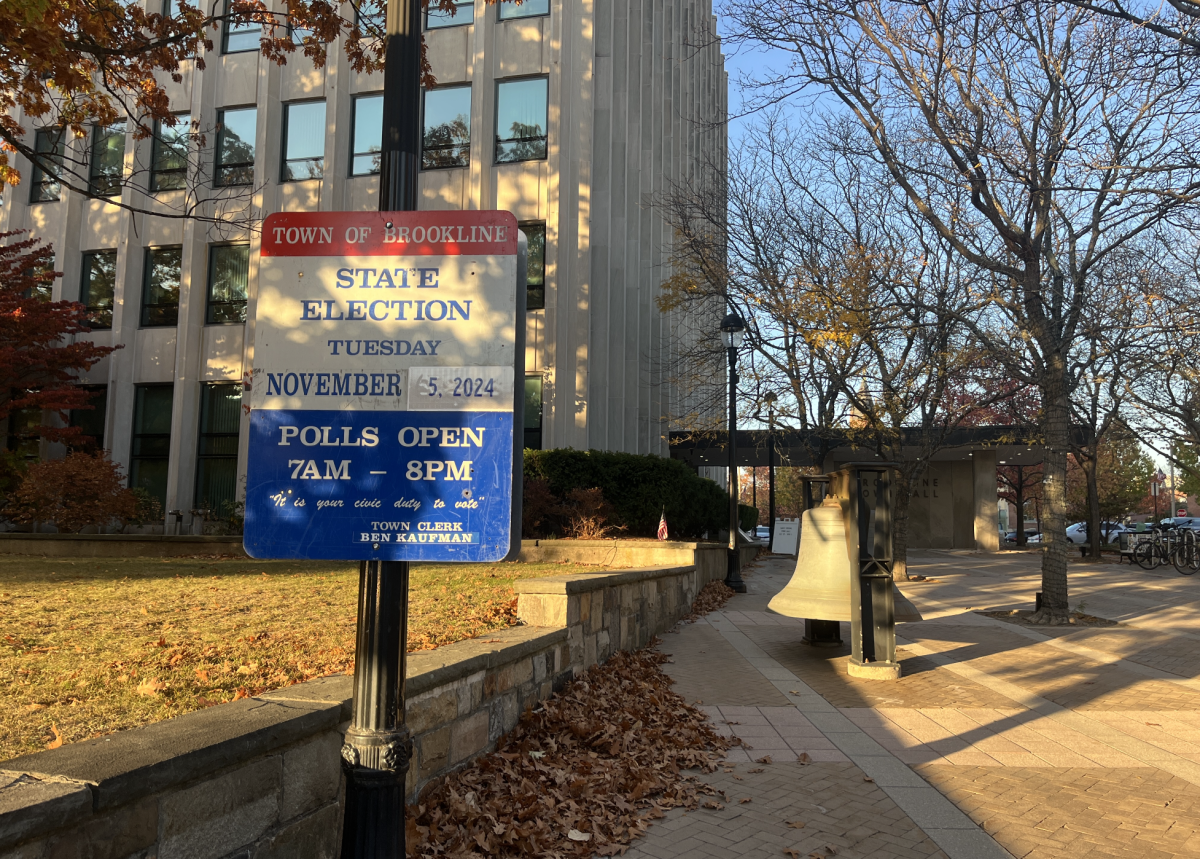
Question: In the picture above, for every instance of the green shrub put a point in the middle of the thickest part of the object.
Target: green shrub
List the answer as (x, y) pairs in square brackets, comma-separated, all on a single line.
[(748, 518), (638, 487)]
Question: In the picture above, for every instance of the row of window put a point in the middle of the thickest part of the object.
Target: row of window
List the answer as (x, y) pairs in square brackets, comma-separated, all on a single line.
[(521, 123), (244, 37), (228, 282), (228, 279)]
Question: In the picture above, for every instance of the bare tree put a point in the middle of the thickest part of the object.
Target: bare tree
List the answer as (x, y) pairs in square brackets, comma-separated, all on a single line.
[(854, 306), (1036, 138)]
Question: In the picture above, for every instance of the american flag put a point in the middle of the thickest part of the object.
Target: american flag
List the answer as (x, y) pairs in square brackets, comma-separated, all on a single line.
[(662, 525)]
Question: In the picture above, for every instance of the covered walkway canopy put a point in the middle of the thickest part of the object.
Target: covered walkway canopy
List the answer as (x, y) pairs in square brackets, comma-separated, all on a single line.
[(1012, 445), (953, 505)]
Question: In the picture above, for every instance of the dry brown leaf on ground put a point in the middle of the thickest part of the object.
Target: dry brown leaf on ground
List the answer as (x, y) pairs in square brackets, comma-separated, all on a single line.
[(151, 687), (765, 759), (58, 738), (796, 824), (614, 745), (711, 597)]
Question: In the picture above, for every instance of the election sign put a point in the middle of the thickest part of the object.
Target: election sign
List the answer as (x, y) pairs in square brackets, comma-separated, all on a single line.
[(384, 399)]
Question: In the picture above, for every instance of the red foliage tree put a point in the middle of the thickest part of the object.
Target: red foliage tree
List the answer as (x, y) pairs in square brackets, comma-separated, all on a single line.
[(73, 493), (40, 356)]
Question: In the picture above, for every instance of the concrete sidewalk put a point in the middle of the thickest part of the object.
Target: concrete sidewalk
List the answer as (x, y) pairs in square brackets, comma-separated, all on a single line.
[(998, 740)]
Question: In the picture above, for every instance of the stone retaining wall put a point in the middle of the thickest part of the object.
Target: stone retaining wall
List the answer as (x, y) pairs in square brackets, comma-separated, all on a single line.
[(608, 553), (260, 778), (117, 545)]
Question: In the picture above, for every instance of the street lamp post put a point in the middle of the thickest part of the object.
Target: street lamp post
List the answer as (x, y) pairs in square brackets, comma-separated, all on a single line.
[(770, 400), (733, 329), (378, 746)]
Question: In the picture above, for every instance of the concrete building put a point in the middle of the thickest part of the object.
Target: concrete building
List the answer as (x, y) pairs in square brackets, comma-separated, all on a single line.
[(572, 114)]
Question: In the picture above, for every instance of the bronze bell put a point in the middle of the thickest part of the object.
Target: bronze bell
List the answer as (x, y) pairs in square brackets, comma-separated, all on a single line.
[(820, 587)]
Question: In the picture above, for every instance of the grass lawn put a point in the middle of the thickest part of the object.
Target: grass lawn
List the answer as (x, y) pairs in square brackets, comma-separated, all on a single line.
[(95, 645)]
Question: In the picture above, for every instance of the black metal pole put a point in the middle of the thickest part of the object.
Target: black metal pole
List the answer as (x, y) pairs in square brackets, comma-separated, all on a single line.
[(733, 577), (378, 749), (400, 150), (770, 476)]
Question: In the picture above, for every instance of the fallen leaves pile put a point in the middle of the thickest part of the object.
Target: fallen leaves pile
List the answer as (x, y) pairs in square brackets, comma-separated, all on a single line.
[(584, 773), (711, 597)]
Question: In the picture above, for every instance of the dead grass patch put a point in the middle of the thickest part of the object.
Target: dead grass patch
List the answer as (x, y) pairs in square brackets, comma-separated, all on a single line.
[(92, 646)]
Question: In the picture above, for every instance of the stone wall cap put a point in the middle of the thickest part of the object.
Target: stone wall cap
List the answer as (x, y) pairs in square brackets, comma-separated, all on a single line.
[(429, 669), (579, 583), (135, 763), (31, 806), (623, 544)]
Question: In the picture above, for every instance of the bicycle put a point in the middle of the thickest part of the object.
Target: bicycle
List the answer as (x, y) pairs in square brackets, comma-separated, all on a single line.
[(1151, 553), (1185, 554)]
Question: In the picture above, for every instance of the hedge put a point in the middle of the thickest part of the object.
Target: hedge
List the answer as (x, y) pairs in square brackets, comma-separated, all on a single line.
[(748, 518), (639, 487)]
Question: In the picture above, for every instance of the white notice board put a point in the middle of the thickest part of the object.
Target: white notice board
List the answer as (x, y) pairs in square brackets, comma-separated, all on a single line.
[(786, 537)]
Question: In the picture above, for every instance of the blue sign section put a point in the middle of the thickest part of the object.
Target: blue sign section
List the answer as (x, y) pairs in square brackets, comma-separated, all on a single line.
[(391, 486)]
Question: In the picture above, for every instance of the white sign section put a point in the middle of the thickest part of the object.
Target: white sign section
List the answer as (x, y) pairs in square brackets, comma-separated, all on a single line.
[(785, 538), (383, 398)]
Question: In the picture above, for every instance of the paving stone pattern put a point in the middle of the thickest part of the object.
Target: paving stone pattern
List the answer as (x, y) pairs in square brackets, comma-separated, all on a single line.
[(837, 807), (1048, 812), (1106, 765), (922, 682)]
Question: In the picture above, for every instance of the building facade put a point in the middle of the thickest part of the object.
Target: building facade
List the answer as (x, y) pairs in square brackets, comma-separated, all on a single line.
[(572, 114)]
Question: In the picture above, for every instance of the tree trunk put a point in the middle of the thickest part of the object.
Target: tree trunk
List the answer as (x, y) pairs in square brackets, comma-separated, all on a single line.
[(1056, 428), (900, 496), (1022, 540), (1095, 538)]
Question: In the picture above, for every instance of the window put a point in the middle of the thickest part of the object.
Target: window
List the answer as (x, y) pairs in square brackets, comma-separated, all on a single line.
[(521, 120), (160, 286), (303, 141), (297, 33), (527, 9), (169, 154), (151, 440), (447, 138), (108, 160), (370, 16), (228, 273), (50, 145), (237, 37), (368, 135), (533, 412), (24, 430), (43, 281), (98, 286), (464, 13), (91, 421), (535, 291), (235, 146), (216, 460)]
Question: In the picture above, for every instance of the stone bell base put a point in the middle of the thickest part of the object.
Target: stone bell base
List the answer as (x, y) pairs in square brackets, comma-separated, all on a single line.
[(873, 670)]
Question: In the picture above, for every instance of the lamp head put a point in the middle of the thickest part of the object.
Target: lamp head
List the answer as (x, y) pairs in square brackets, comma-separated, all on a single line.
[(733, 329)]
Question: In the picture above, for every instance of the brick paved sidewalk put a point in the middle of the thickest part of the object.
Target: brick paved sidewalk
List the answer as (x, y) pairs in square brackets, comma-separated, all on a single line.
[(998, 739)]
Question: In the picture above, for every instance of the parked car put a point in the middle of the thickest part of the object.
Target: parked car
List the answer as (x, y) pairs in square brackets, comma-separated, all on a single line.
[(762, 532), (1171, 522), (1031, 536), (1111, 531)]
